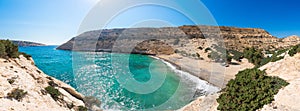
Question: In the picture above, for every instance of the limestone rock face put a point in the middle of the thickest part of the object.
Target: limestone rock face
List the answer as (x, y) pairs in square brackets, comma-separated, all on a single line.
[(232, 37), (291, 40), (28, 77)]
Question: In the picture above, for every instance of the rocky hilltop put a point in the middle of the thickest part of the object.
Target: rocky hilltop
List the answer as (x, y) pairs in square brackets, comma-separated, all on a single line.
[(26, 43), (23, 87), (130, 39)]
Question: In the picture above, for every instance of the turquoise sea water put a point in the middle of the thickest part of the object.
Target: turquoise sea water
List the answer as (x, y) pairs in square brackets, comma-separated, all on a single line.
[(119, 81)]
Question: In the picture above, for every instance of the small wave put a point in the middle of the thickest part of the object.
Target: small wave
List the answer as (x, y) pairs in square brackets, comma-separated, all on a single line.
[(201, 84)]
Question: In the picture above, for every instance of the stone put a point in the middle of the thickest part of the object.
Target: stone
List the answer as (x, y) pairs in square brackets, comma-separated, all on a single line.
[(33, 82)]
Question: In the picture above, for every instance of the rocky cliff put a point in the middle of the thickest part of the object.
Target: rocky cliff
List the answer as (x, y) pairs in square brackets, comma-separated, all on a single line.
[(128, 39), (23, 87)]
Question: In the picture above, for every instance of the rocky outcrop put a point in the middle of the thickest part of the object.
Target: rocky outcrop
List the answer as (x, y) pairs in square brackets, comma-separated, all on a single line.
[(177, 37), (290, 41), (26, 43), (21, 73), (153, 47), (204, 103), (288, 98)]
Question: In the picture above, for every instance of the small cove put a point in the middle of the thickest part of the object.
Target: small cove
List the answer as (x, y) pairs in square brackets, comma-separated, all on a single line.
[(104, 75)]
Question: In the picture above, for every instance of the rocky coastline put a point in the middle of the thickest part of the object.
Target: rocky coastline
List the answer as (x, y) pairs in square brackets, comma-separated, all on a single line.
[(20, 74)]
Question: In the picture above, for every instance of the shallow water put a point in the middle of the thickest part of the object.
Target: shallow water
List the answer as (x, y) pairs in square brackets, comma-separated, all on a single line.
[(120, 81)]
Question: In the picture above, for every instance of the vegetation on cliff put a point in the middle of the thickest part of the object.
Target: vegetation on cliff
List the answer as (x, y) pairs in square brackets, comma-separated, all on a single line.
[(219, 54), (10, 50), (55, 94), (17, 94), (249, 91), (253, 55), (276, 55), (257, 57), (294, 50)]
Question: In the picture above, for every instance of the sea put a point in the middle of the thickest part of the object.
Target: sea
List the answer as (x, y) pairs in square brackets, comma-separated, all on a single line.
[(121, 81)]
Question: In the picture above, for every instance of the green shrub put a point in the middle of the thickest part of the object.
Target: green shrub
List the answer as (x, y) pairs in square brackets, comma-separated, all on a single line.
[(229, 59), (219, 48), (294, 50), (236, 55), (214, 55), (275, 57), (55, 94), (249, 91), (2, 50), (220, 56), (8, 49), (82, 108), (254, 56), (17, 94)]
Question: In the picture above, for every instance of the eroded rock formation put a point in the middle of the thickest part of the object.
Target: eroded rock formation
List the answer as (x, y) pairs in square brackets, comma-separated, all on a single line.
[(177, 37)]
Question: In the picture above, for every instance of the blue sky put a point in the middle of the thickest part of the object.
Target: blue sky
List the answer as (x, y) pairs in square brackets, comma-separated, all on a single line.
[(280, 17), (46, 21), (56, 21)]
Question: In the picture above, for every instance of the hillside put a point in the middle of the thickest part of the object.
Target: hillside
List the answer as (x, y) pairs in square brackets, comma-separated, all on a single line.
[(288, 69), (119, 40), (26, 43), (24, 87), (22, 74), (287, 99)]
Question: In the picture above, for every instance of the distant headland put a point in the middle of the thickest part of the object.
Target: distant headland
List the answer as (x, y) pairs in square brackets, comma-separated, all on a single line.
[(26, 43)]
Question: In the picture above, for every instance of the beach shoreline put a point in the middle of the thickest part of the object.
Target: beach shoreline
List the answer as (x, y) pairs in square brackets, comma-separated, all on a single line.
[(211, 72), (186, 73)]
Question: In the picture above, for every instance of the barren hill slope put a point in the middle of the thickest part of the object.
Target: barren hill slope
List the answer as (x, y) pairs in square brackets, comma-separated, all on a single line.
[(178, 38)]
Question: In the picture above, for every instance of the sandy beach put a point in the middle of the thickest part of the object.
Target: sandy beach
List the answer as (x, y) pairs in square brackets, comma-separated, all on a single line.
[(211, 72)]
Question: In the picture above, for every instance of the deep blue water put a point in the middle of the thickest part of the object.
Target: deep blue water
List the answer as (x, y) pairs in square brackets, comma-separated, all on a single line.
[(119, 81)]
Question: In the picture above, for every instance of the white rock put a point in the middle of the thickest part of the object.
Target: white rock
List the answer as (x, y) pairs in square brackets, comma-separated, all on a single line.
[(32, 81)]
